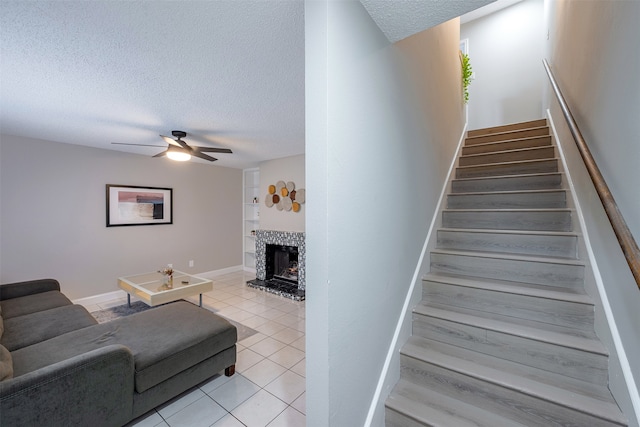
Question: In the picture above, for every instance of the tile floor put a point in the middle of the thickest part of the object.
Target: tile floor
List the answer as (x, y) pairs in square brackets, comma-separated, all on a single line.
[(268, 388)]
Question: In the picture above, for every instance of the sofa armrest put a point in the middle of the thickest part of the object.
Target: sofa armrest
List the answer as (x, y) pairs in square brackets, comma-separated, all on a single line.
[(21, 289), (94, 388)]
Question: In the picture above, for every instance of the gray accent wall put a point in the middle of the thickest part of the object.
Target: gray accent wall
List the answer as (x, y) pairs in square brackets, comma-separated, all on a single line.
[(383, 123), (53, 216), (593, 54)]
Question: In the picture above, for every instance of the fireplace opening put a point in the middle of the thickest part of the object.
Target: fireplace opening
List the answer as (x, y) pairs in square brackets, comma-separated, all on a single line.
[(282, 263)]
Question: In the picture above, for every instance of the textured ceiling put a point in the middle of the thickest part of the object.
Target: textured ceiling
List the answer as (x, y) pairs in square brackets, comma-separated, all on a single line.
[(229, 73), (399, 19)]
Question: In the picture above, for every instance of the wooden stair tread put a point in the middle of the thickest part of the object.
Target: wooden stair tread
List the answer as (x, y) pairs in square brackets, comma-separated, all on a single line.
[(493, 153), (516, 257), (518, 288), (509, 126), (510, 192), (436, 409), (509, 176), (568, 392), (537, 331), (515, 162), (516, 232)]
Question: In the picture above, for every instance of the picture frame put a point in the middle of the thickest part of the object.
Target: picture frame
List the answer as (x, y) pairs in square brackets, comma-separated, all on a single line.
[(129, 205)]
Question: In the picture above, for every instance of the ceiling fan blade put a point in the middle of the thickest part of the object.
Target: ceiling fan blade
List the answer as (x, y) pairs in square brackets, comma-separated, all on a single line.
[(162, 153), (171, 141), (212, 150), (138, 145), (203, 156)]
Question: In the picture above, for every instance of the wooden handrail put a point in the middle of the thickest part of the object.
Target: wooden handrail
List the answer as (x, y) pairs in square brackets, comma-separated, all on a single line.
[(625, 238)]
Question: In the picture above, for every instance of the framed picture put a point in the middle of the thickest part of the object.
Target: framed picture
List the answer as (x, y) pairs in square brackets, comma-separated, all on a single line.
[(133, 205)]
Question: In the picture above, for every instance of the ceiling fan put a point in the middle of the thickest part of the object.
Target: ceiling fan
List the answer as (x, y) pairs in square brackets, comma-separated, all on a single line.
[(180, 151)]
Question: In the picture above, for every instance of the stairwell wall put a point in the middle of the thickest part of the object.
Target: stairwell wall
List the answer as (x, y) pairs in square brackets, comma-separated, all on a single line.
[(506, 50), (377, 159), (590, 52)]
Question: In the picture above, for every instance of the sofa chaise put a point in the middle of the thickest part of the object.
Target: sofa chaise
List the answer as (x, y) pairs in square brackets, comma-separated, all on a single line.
[(59, 367)]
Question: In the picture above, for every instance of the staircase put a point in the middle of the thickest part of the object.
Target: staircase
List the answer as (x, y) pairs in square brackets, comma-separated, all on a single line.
[(504, 333)]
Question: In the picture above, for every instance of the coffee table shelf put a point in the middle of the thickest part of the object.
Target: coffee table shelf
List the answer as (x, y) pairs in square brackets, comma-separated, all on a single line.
[(152, 290)]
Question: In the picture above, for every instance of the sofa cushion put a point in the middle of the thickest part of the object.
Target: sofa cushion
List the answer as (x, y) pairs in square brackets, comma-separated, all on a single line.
[(32, 303), (164, 341), (6, 364), (33, 328)]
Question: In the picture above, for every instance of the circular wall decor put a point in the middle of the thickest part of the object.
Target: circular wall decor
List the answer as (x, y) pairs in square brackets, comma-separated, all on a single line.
[(285, 196), (268, 201)]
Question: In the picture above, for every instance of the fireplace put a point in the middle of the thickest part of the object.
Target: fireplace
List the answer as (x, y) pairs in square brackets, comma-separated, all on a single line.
[(280, 263)]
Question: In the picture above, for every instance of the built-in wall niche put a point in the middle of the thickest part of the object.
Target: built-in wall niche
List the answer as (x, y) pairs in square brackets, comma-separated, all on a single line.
[(251, 216)]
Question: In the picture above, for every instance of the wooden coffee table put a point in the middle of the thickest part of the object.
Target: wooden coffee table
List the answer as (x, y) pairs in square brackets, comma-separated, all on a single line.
[(152, 289)]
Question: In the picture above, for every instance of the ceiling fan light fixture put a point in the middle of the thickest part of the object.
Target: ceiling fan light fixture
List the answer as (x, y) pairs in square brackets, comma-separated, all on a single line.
[(178, 155)]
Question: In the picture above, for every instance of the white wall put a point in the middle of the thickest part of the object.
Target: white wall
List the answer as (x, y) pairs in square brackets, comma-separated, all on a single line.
[(375, 170), (593, 55), (53, 217), (506, 51), (284, 169)]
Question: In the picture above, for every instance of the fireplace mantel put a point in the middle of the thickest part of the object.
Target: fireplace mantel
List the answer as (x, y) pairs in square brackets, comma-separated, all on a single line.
[(285, 238)]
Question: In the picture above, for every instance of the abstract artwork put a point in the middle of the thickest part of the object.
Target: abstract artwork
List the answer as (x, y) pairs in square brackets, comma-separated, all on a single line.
[(133, 205)]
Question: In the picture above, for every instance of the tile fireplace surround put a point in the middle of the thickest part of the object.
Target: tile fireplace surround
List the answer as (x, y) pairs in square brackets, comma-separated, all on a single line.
[(283, 238)]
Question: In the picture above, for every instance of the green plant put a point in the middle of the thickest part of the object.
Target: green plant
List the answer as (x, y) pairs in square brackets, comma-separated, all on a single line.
[(467, 72)]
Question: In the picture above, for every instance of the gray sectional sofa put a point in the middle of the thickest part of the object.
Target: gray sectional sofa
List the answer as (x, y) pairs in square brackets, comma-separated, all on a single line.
[(59, 367)]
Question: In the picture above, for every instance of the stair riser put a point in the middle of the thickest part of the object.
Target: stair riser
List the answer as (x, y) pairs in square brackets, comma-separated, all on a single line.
[(524, 244), (396, 419), (509, 403), (515, 183), (517, 168), (555, 358), (518, 134), (538, 200), (507, 128), (508, 156), (516, 144), (541, 273), (508, 220), (561, 313)]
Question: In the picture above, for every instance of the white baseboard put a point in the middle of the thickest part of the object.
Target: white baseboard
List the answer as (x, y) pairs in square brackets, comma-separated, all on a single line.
[(100, 298), (405, 314), (109, 296)]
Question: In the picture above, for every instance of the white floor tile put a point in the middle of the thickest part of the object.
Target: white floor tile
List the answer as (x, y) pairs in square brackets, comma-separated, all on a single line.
[(234, 392), (201, 413), (228, 421), (254, 321), (299, 343), (267, 346), (289, 418), (182, 401), (262, 373), (301, 403), (259, 410), (287, 356), (270, 328), (246, 359), (253, 339), (287, 387), (214, 383), (287, 335), (300, 368)]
